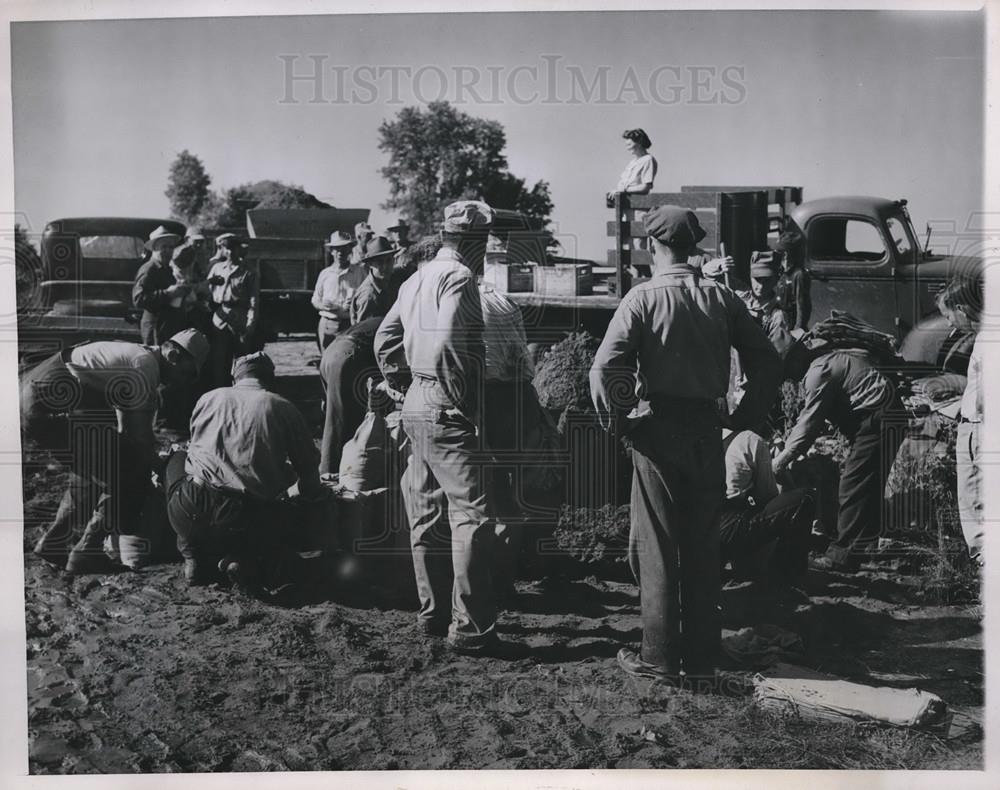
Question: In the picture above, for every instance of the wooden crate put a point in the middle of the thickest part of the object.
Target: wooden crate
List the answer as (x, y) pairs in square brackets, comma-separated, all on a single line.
[(565, 279), (510, 278)]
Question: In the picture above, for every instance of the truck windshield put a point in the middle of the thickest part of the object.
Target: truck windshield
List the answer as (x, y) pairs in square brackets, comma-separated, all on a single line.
[(127, 247)]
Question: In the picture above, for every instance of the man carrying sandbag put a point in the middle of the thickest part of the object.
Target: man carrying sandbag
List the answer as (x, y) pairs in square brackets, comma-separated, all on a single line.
[(226, 494)]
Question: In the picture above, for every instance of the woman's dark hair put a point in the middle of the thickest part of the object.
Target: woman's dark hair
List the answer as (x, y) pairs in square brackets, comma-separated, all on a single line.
[(639, 136), (965, 292)]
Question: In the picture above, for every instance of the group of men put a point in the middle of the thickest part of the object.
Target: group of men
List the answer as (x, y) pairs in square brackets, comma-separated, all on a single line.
[(452, 354)]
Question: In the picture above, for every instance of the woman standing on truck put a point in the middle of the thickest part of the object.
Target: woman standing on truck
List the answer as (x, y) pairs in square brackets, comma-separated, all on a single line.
[(636, 179)]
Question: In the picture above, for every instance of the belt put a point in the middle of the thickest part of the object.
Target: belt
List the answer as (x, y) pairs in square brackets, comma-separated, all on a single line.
[(242, 495), (963, 420)]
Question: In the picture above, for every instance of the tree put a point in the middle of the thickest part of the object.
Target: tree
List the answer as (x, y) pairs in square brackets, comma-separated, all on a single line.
[(27, 268), (439, 155), (187, 187), (233, 206)]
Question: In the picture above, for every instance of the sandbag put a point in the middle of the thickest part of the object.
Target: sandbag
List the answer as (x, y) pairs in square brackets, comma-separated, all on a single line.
[(363, 462)]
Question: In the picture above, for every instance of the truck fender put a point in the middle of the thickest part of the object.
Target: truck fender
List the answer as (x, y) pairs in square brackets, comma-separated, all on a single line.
[(923, 342)]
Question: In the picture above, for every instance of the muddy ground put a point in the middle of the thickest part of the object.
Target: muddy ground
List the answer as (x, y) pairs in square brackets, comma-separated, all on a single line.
[(135, 672)]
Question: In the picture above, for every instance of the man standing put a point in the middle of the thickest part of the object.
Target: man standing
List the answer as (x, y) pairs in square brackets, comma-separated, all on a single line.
[(155, 291), (434, 332), (224, 494), (793, 288), (378, 290), (363, 234), (846, 387), (235, 295), (96, 403), (335, 288), (667, 349)]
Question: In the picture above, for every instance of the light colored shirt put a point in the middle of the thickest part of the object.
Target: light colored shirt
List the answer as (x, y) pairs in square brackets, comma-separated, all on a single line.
[(241, 437), (672, 336), (234, 299), (507, 357), (638, 172), (127, 377), (748, 468), (434, 330), (335, 289), (972, 397)]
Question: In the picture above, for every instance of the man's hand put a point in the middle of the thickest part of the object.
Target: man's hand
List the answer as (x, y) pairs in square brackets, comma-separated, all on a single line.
[(177, 289), (396, 395), (718, 267)]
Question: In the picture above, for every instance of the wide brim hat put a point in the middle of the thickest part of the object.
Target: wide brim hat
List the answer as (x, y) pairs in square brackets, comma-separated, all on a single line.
[(161, 234), (340, 239), (401, 225), (378, 248), (362, 227)]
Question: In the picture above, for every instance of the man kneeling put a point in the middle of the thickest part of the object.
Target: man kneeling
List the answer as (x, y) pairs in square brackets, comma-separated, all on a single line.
[(226, 494), (759, 521)]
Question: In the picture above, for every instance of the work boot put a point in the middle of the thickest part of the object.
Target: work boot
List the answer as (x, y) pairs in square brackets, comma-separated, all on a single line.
[(489, 647), (828, 563), (88, 554), (632, 664), (196, 573), (432, 628)]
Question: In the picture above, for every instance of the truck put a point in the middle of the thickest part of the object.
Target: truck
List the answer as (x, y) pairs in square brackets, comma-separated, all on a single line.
[(88, 265), (863, 255)]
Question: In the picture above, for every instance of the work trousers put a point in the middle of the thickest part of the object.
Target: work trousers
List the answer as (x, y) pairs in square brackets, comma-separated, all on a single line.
[(678, 485), (211, 523), (451, 525), (968, 472), (862, 486), (327, 330), (226, 347), (344, 369), (785, 522)]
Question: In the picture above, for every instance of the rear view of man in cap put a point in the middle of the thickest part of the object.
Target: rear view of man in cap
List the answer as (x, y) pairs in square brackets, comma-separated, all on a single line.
[(155, 292), (96, 402), (434, 333), (224, 493), (666, 355)]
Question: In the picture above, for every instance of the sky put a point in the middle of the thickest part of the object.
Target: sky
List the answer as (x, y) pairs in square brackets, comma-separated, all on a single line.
[(881, 103)]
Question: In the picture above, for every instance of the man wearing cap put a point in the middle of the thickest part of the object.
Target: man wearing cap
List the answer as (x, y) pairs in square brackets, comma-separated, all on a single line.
[(399, 235), (335, 288), (248, 446), (378, 290), (846, 388), (235, 292), (363, 234), (761, 301), (793, 288), (665, 358), (434, 334), (155, 290), (96, 403)]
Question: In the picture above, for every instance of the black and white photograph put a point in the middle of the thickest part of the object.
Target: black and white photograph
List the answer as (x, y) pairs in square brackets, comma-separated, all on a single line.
[(497, 389)]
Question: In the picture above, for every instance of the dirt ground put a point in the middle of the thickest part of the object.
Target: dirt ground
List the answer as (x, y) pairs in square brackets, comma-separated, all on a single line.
[(135, 672)]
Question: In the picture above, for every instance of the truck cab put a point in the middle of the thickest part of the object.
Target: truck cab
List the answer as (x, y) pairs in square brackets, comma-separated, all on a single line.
[(864, 257)]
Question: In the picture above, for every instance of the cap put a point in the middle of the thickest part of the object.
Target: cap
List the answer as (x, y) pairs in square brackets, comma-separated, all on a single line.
[(161, 234), (362, 227), (790, 239), (194, 234), (194, 342), (256, 365), (231, 241), (340, 239), (467, 216), (379, 247), (674, 226), (401, 225), (763, 265)]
